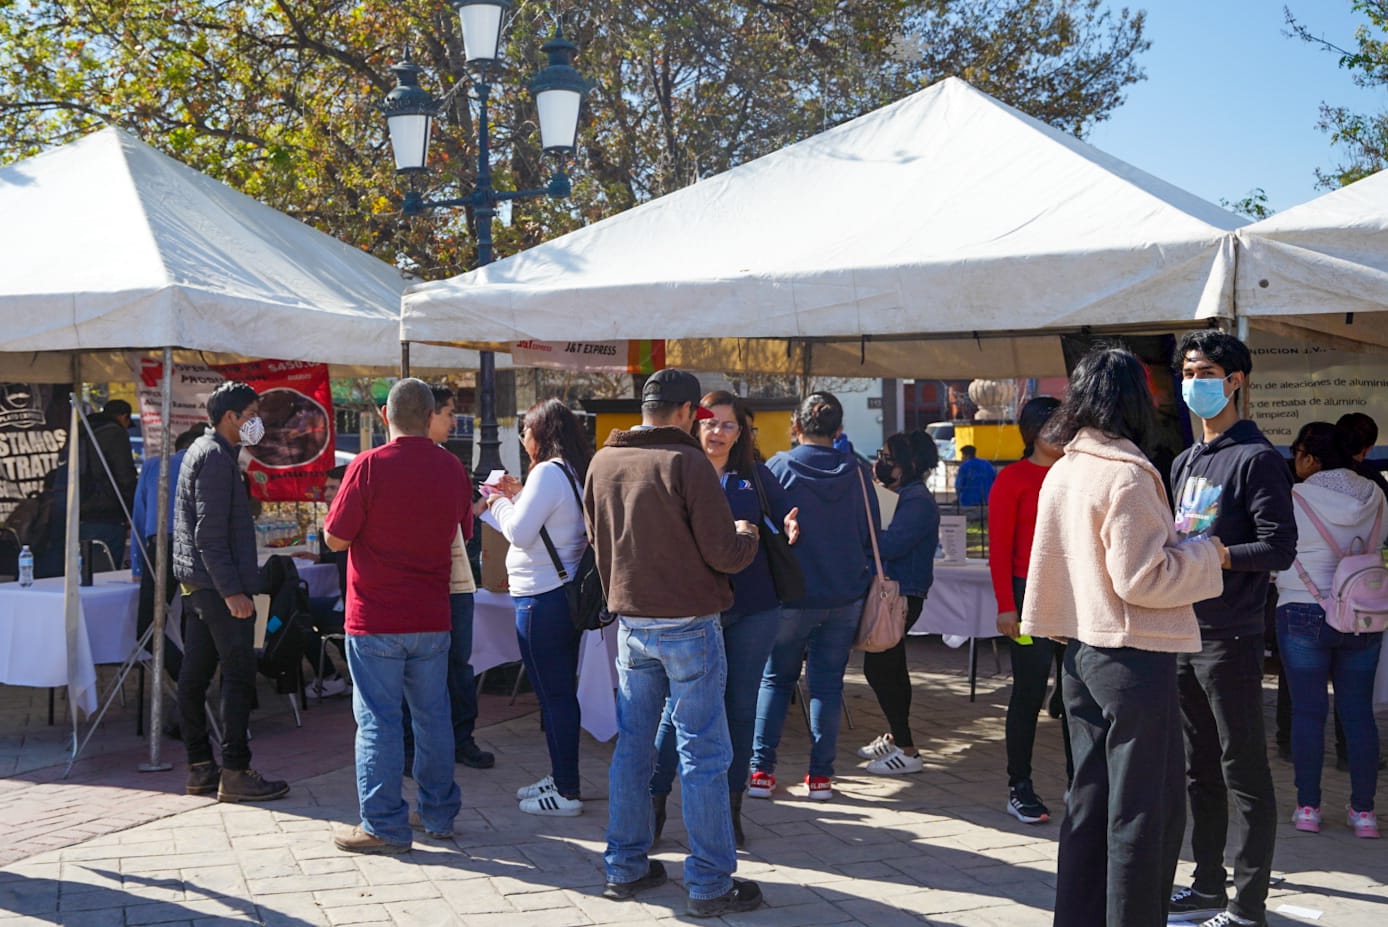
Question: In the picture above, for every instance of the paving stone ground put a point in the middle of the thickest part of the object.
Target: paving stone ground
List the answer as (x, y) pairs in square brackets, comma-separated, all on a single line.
[(112, 846)]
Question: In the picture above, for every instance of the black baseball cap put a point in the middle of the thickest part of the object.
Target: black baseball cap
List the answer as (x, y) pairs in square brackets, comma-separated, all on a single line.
[(677, 386)]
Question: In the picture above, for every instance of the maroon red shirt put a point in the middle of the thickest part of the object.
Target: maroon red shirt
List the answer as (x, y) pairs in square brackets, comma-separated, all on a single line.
[(400, 506)]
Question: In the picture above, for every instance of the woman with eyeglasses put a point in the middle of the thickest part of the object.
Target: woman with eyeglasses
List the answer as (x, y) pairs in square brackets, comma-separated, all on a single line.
[(749, 627), (834, 497), (549, 643), (908, 555)]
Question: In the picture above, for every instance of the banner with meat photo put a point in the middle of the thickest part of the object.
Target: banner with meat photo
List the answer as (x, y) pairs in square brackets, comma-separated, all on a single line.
[(33, 436), (290, 464)]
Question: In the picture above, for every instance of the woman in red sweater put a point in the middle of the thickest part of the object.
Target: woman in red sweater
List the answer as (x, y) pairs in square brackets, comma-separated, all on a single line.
[(1011, 523)]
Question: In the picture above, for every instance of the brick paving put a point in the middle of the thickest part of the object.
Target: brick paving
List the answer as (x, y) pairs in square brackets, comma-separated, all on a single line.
[(112, 846)]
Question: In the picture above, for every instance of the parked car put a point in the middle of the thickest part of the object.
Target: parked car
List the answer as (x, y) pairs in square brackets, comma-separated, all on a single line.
[(942, 433)]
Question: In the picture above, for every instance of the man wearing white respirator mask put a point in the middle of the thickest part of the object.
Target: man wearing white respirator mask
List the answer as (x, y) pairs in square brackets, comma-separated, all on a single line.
[(214, 561)]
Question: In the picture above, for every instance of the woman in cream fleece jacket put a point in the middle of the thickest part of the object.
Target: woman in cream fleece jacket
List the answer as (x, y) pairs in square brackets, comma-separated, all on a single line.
[(1109, 574)]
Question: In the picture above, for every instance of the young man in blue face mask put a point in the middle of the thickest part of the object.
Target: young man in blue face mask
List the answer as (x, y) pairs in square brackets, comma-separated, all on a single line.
[(1221, 686)]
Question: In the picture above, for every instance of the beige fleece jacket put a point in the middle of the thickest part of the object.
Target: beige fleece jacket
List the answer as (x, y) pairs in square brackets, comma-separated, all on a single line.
[(1107, 567)]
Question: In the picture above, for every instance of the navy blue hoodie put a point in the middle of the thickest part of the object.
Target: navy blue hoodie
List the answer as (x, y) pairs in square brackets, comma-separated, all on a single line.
[(1255, 521), (834, 548)]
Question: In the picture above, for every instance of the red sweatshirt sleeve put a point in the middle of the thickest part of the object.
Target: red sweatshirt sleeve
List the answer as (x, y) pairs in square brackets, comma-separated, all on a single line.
[(1002, 534)]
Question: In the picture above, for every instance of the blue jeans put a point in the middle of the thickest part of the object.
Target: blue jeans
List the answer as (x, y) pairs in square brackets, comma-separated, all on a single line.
[(822, 638), (388, 669), (462, 684), (549, 648), (682, 660), (747, 642), (1312, 654)]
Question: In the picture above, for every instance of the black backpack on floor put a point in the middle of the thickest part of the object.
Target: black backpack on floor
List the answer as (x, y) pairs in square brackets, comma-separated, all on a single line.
[(288, 626)]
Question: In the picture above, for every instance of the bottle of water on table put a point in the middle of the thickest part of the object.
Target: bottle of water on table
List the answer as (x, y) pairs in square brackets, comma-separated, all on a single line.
[(26, 566)]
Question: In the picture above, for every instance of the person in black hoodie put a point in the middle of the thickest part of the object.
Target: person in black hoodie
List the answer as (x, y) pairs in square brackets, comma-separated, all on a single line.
[(106, 499), (1221, 686)]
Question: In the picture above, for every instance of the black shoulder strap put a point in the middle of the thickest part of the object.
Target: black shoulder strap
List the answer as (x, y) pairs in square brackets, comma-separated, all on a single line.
[(553, 555), (761, 493)]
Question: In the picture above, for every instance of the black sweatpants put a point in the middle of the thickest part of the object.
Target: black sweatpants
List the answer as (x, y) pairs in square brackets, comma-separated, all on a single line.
[(1125, 819), (1031, 672)]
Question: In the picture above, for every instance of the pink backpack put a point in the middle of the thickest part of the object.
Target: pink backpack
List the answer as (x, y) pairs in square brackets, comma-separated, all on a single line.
[(1358, 599)]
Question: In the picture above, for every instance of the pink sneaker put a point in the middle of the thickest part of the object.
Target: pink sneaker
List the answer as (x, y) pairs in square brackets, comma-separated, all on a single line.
[(762, 785), (1307, 818), (821, 787), (1365, 823)]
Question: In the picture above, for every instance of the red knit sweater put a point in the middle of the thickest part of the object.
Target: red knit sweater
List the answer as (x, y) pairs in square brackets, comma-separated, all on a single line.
[(1011, 523)]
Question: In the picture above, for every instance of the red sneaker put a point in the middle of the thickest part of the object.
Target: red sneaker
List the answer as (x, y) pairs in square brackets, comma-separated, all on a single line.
[(821, 787), (763, 784)]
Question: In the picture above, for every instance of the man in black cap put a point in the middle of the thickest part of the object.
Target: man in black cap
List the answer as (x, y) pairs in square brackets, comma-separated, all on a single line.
[(666, 542)]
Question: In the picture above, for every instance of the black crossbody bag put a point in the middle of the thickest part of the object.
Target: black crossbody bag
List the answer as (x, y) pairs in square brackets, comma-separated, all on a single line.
[(786, 574)]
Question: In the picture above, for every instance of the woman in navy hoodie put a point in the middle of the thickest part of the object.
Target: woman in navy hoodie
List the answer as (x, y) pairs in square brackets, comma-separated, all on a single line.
[(835, 552), (908, 555)]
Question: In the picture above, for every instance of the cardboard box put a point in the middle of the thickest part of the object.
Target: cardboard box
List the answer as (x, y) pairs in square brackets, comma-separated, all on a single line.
[(494, 548)]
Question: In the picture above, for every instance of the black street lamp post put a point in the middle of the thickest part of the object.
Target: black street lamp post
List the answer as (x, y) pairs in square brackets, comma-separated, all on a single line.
[(410, 112)]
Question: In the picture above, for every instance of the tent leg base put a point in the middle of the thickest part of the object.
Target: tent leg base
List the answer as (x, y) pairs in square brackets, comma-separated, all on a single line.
[(154, 767)]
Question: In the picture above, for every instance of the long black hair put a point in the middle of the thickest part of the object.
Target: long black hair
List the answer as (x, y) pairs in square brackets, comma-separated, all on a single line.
[(556, 432), (742, 457), (1326, 443), (1034, 416), (1109, 392)]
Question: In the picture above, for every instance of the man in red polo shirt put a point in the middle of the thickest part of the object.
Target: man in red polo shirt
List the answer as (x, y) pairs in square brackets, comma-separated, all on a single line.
[(396, 515)]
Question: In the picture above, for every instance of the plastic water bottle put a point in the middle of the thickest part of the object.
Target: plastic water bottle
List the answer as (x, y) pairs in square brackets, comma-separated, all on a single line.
[(311, 539), (26, 566)]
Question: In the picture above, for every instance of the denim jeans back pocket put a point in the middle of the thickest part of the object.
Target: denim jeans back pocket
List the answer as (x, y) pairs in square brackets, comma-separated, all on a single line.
[(1305, 622), (685, 654)]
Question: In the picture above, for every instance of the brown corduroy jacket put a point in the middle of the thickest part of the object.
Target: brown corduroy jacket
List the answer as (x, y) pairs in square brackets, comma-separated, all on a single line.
[(661, 526)]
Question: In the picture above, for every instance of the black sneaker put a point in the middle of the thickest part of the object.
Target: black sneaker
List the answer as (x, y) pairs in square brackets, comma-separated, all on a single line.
[(469, 754), (621, 891), (203, 778), (1187, 904), (249, 785), (745, 895), (1023, 805)]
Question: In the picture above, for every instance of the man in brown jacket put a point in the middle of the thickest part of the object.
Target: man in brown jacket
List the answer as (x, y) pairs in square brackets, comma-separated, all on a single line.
[(666, 542)]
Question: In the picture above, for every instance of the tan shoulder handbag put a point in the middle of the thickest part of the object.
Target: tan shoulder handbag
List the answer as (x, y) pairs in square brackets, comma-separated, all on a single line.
[(883, 622)]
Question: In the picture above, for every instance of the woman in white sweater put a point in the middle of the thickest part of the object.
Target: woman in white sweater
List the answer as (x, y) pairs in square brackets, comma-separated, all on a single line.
[(550, 502), (1348, 507)]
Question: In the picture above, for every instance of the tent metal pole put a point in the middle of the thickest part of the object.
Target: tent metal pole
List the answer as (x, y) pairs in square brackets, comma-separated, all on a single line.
[(404, 359), (161, 572), (72, 613)]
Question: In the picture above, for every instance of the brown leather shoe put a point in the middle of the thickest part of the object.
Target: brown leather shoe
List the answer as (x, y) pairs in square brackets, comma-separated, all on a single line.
[(203, 778), (356, 840), (248, 785)]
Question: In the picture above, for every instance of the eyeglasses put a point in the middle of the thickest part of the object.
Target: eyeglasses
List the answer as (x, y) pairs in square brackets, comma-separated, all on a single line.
[(726, 428)]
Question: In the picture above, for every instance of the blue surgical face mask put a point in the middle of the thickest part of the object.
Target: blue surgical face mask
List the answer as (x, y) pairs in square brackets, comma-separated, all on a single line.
[(1205, 398)]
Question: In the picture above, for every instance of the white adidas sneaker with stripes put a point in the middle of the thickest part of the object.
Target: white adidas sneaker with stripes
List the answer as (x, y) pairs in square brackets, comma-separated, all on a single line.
[(552, 804), (895, 763)]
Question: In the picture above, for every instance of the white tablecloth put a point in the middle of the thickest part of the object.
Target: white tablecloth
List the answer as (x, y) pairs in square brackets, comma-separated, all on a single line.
[(961, 601), (33, 639), (494, 643)]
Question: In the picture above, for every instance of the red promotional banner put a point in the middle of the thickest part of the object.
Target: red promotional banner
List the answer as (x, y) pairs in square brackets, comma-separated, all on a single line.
[(296, 404), (291, 462)]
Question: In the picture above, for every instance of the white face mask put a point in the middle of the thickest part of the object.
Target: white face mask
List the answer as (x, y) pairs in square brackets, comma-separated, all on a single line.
[(251, 431)]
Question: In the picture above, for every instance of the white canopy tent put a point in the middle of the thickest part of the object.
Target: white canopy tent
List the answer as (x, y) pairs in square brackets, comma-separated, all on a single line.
[(1320, 270), (946, 216), (110, 244)]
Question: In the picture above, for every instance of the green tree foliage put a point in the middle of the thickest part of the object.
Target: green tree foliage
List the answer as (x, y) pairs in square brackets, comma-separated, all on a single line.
[(1253, 205), (1362, 137), (279, 97)]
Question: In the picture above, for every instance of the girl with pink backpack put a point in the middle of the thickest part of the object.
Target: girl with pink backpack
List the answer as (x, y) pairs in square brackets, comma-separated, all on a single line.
[(1329, 621)]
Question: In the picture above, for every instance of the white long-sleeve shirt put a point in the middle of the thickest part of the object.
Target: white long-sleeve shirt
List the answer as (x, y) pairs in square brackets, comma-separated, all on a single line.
[(547, 500)]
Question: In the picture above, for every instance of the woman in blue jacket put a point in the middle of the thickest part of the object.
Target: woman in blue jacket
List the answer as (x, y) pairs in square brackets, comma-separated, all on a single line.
[(835, 553), (908, 555), (749, 627)]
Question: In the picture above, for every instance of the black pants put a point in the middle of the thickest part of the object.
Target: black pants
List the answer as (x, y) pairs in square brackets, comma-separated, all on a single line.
[(212, 635), (173, 657), (890, 679), (1226, 753), (1123, 827), (1031, 671)]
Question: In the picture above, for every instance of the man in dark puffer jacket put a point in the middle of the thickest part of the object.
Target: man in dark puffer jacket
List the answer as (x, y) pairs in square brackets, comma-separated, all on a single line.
[(214, 561)]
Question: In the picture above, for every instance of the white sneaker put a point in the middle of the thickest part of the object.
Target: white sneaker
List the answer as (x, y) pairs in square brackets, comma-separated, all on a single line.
[(535, 789), (895, 763), (880, 747), (327, 688), (552, 804)]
